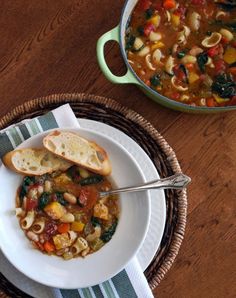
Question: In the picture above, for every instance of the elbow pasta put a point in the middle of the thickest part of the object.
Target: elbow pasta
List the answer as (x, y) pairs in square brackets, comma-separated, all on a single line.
[(27, 222), (64, 218), (80, 245), (38, 226)]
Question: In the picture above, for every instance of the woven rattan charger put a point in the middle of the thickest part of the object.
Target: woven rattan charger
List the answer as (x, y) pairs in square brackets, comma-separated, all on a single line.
[(163, 157)]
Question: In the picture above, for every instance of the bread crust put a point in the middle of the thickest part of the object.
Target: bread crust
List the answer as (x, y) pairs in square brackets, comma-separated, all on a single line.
[(105, 165), (9, 163)]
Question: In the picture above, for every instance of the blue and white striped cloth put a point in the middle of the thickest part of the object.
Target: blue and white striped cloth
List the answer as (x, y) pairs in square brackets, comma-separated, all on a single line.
[(129, 283)]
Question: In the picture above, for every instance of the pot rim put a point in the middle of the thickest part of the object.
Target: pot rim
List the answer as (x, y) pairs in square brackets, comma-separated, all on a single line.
[(157, 94)]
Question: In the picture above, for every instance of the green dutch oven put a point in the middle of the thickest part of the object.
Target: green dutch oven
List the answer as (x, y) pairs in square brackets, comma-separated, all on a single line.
[(118, 34)]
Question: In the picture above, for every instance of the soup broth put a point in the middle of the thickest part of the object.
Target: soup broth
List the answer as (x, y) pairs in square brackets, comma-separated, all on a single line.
[(62, 214)]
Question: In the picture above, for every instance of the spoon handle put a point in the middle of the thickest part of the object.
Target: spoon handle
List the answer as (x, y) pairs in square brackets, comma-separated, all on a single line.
[(176, 181)]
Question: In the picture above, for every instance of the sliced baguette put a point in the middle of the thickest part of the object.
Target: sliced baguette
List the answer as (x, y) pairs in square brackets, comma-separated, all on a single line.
[(79, 151), (34, 161)]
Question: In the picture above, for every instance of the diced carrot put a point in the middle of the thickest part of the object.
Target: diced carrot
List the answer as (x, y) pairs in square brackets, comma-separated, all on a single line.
[(49, 247), (232, 70), (63, 228), (189, 66), (169, 4), (210, 102)]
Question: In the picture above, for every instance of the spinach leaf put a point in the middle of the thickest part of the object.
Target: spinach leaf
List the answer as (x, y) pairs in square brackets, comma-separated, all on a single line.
[(181, 54), (129, 42), (148, 13), (155, 80), (91, 180), (72, 172), (27, 181), (107, 234), (95, 221), (140, 30), (60, 199), (43, 200), (184, 70), (231, 25), (202, 60), (224, 86)]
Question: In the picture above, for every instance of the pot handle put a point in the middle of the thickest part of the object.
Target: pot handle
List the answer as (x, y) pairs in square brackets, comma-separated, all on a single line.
[(128, 78)]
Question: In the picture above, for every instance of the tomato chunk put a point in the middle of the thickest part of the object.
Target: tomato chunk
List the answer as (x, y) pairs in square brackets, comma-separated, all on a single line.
[(31, 204), (213, 51), (219, 66), (88, 197), (148, 28)]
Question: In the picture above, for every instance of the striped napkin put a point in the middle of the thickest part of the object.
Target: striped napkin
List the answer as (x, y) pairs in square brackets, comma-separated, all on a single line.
[(129, 283)]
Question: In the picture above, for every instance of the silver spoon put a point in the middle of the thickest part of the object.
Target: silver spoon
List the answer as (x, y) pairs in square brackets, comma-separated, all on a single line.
[(177, 181)]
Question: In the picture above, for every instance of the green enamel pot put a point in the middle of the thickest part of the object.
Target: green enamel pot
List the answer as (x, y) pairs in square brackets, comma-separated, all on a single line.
[(118, 34)]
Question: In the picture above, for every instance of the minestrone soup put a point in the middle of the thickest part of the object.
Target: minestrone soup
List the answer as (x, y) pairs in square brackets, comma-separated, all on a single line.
[(62, 214), (185, 50)]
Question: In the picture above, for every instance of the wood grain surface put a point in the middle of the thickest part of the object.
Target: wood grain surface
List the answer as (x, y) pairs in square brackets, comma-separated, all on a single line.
[(50, 47)]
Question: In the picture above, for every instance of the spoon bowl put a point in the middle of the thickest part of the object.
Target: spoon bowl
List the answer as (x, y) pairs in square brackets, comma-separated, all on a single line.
[(177, 181)]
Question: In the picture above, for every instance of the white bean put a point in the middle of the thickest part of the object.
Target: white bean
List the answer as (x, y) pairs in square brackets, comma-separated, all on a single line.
[(189, 59), (195, 51), (144, 51), (48, 186), (32, 236), (156, 56), (227, 34), (194, 21), (40, 190), (85, 252), (155, 36), (70, 198)]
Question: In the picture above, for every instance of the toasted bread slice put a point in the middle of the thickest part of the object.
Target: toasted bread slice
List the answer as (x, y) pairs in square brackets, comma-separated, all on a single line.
[(32, 161), (73, 148)]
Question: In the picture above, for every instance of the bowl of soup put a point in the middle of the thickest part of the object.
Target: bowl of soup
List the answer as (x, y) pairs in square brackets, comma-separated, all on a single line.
[(76, 240), (182, 54)]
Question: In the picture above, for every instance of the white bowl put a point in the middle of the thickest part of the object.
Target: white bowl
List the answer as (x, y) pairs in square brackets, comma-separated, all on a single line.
[(99, 266)]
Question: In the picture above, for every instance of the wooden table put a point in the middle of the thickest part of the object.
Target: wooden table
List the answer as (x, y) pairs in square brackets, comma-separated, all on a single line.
[(50, 47)]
